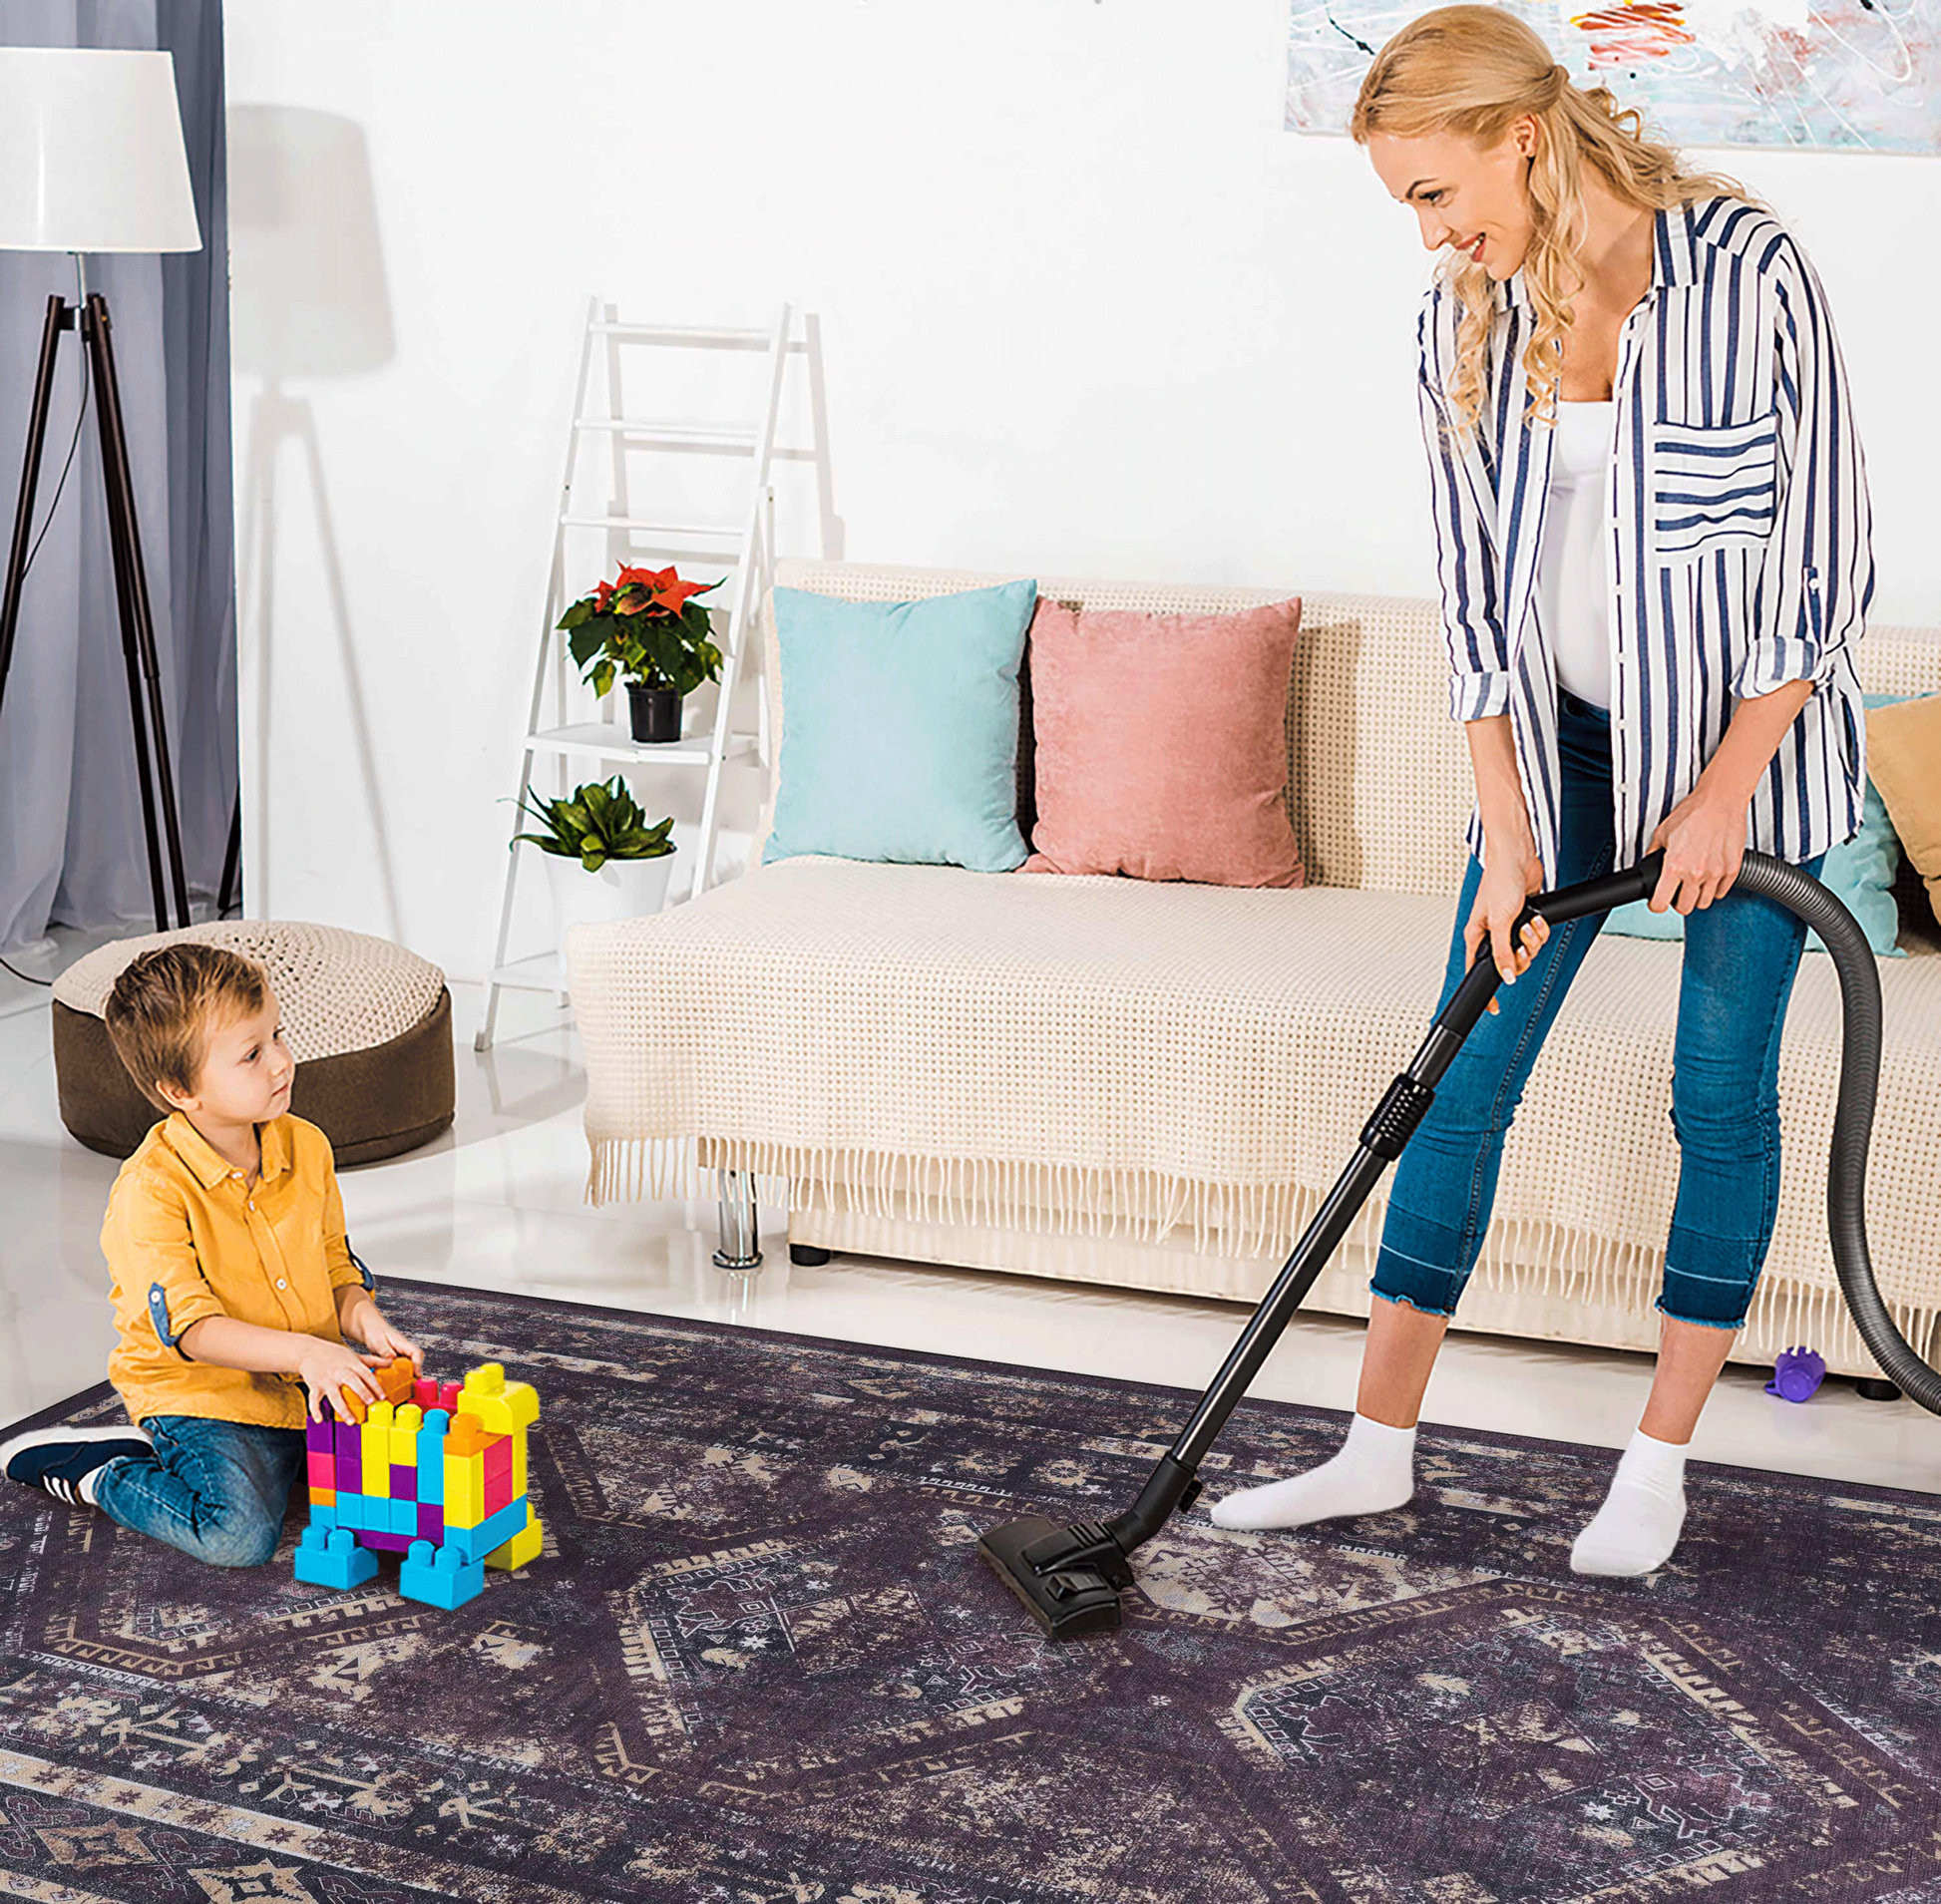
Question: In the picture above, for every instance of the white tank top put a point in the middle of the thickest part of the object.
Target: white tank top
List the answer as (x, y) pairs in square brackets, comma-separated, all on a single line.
[(1572, 565)]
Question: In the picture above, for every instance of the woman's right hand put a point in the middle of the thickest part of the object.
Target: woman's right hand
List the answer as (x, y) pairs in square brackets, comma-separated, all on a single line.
[(1509, 878), (329, 1371)]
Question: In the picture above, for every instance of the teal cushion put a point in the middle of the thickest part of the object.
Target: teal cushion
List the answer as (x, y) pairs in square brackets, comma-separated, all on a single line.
[(899, 727), (1859, 873)]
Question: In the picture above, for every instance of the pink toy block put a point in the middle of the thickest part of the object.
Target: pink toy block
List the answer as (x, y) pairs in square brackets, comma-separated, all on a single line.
[(322, 1469), (498, 1494), (448, 1393), (499, 1455)]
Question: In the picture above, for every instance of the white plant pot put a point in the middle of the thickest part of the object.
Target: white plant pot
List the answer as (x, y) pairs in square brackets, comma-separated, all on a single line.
[(621, 889)]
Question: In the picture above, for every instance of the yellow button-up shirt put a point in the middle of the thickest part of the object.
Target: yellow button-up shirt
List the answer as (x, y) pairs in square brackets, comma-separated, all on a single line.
[(186, 1236)]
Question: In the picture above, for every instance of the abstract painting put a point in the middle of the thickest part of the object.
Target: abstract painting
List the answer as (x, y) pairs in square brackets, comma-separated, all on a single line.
[(1791, 75)]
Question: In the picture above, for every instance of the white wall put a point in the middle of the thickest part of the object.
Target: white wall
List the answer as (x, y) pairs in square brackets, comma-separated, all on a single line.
[(1086, 309)]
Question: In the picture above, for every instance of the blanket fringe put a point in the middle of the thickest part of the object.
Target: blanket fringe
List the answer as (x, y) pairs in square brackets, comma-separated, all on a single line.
[(1519, 1254)]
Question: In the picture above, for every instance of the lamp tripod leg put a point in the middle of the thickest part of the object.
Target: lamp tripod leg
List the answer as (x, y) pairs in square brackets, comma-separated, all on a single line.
[(138, 629)]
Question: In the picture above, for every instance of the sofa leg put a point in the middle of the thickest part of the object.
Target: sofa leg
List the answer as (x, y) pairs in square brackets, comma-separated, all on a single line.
[(741, 1245), (805, 1255), (1873, 1388)]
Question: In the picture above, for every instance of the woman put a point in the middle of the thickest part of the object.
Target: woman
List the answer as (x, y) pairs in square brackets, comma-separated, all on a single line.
[(1653, 537)]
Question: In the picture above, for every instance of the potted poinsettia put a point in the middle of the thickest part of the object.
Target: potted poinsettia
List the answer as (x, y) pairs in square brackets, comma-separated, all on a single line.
[(603, 860), (646, 628)]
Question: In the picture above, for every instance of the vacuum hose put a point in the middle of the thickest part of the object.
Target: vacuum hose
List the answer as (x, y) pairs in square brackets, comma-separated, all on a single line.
[(1846, 1174)]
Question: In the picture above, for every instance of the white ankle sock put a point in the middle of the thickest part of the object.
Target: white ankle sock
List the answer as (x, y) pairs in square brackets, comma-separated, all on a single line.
[(1373, 1472), (1636, 1529)]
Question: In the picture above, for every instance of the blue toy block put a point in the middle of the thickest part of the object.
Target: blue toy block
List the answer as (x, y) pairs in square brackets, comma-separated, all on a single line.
[(324, 1514), (491, 1533), (431, 1457), (404, 1517), (444, 1578), (350, 1510), (328, 1557)]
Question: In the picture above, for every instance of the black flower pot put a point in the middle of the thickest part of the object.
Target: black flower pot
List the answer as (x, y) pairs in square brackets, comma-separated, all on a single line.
[(653, 712)]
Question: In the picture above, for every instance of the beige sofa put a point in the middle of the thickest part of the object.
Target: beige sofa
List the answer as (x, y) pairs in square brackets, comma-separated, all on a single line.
[(1156, 1084)]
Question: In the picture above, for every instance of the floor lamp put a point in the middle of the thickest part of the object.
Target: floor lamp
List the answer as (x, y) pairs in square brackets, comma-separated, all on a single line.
[(92, 160)]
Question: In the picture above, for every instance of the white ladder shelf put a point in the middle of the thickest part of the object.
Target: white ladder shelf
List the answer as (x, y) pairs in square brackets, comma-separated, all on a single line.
[(609, 741)]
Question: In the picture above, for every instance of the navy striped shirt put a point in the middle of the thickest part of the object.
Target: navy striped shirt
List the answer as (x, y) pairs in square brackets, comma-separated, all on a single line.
[(1740, 536)]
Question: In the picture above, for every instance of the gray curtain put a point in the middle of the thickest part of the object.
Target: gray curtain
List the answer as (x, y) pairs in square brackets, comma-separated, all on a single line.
[(70, 848)]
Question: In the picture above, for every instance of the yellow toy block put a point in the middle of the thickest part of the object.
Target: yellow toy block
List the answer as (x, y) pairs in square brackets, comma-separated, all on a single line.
[(518, 1465), (374, 1446), (464, 1491), (404, 1435), (524, 1546), (502, 1408)]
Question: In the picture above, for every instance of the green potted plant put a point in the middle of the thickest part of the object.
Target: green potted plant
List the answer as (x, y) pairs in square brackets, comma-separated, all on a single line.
[(603, 860), (646, 628)]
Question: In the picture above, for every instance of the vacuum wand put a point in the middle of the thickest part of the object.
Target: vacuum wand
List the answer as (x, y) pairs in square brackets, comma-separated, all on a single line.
[(1070, 1576)]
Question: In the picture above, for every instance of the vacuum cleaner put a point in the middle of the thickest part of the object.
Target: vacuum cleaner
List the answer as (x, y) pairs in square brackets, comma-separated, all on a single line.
[(1071, 1576)]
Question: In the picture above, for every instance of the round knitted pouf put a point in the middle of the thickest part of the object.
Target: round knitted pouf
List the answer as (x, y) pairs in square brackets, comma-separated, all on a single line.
[(368, 1023)]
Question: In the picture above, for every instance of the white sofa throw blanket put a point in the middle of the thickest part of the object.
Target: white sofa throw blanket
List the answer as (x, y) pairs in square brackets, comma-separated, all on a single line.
[(1043, 1050)]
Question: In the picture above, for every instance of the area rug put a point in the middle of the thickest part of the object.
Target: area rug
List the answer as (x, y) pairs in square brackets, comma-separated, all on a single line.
[(760, 1662)]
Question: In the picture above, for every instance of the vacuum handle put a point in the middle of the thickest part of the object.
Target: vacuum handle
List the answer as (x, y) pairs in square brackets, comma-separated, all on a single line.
[(1599, 895)]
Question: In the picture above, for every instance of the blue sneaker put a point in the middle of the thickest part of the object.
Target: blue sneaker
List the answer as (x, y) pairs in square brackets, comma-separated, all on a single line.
[(62, 1462)]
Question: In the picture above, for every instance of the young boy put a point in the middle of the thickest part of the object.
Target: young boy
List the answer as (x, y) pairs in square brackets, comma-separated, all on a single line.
[(235, 1282)]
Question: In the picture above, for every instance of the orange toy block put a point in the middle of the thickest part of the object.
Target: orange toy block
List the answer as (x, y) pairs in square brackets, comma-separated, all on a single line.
[(323, 1497), (466, 1437), (396, 1379)]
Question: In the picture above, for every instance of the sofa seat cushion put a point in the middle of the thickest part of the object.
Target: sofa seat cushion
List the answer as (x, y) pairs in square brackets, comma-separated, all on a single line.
[(368, 1023), (1123, 1052)]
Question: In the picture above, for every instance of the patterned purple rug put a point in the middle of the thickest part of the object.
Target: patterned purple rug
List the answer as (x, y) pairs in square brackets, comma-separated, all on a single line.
[(759, 1661)]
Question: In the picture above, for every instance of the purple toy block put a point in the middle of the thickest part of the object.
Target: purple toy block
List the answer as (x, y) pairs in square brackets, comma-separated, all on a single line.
[(391, 1543), (351, 1440), (431, 1523), (404, 1483), (319, 1438), (350, 1474)]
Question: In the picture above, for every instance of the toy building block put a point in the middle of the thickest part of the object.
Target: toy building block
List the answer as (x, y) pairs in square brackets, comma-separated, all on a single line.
[(327, 1557), (431, 1456), (524, 1546), (441, 1577), (501, 1405)]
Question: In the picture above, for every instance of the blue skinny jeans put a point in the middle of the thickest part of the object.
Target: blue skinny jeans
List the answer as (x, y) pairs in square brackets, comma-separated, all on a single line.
[(216, 1489), (1740, 958)]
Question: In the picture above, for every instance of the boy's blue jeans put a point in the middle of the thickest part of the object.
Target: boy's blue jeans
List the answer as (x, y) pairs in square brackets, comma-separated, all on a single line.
[(216, 1489), (1740, 957)]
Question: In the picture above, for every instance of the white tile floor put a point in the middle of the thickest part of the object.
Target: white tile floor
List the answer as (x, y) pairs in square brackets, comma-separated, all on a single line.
[(496, 1203)]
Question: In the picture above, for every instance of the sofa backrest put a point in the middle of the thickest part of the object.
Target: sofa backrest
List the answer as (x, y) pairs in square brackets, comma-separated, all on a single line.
[(1379, 776)]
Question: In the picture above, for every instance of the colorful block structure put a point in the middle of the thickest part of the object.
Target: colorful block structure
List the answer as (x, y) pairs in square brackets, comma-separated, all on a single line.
[(435, 1472)]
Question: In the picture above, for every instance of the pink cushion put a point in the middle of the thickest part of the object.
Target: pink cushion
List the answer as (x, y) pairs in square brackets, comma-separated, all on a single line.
[(1161, 744)]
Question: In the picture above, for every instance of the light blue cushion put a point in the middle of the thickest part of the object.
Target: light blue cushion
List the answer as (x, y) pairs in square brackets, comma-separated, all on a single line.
[(899, 727), (1859, 873)]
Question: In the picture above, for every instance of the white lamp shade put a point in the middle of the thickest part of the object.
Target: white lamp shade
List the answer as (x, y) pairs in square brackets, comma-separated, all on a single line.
[(90, 153)]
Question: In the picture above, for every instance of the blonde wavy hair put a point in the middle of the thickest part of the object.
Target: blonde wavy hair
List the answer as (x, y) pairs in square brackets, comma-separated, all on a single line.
[(1471, 71)]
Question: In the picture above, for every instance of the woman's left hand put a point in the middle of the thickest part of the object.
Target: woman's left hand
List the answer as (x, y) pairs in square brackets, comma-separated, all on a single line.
[(1704, 838)]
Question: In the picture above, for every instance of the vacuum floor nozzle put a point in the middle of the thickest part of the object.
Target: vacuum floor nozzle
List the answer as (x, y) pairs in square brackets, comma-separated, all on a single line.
[(1064, 1600)]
